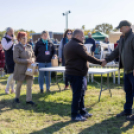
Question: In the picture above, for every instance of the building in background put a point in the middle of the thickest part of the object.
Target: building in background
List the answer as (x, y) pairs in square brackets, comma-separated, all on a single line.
[(53, 36)]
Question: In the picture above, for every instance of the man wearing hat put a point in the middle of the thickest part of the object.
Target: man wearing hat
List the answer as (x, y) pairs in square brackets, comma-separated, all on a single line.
[(125, 52)]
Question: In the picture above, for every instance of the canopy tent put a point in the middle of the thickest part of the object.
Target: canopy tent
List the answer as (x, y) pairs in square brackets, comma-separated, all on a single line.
[(99, 36)]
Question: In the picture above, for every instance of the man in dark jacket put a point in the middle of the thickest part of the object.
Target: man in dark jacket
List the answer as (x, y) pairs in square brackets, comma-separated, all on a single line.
[(76, 63), (90, 40), (125, 52)]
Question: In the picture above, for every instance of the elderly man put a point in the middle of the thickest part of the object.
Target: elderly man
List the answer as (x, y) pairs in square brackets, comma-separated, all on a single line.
[(76, 63), (7, 43), (125, 52), (90, 40), (106, 40)]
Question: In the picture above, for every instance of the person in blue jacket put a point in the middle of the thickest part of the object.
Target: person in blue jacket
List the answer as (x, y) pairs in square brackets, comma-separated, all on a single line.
[(90, 40)]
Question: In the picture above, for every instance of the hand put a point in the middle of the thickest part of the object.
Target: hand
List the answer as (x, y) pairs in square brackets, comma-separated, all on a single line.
[(104, 62), (30, 61), (133, 72), (60, 59), (55, 55)]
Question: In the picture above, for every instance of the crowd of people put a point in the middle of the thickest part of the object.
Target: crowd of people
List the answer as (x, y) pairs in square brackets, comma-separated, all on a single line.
[(74, 56)]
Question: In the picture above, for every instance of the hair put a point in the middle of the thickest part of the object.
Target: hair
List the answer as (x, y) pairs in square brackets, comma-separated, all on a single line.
[(20, 35), (89, 33), (7, 29), (65, 33), (77, 31), (45, 32)]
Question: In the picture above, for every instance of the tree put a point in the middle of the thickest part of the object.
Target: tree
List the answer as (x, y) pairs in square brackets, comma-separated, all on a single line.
[(105, 28)]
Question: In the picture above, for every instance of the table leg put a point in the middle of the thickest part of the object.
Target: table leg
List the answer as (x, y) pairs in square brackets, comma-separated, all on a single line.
[(57, 82), (114, 77), (119, 76), (92, 78), (101, 87), (108, 85)]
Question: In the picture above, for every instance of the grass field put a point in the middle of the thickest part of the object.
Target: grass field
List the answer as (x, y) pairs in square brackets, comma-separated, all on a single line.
[(52, 114)]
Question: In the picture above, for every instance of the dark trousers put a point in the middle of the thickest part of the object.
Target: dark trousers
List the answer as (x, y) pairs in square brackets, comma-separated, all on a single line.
[(77, 106), (129, 89)]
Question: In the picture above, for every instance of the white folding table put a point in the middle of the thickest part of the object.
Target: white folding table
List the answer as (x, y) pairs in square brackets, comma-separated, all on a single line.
[(90, 71)]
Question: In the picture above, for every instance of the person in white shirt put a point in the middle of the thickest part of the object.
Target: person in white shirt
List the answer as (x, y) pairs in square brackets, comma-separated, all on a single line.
[(7, 44)]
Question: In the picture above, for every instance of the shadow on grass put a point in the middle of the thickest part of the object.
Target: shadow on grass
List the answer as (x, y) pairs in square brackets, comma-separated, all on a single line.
[(59, 107), (54, 128), (112, 125)]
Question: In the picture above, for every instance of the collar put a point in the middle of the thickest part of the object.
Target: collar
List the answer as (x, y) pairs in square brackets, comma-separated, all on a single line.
[(77, 40), (8, 36), (128, 33)]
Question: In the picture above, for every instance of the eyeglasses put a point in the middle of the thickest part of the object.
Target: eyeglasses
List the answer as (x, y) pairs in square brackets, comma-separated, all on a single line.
[(24, 38), (69, 33)]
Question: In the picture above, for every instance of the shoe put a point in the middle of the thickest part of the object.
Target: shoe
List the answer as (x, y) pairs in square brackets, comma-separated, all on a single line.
[(41, 91), (12, 91), (122, 114), (16, 100), (87, 115), (66, 88), (130, 118), (7, 91), (48, 91), (79, 118), (30, 102)]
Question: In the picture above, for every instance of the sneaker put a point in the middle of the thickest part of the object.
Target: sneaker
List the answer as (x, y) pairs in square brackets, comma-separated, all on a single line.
[(130, 118), (79, 118), (123, 113), (48, 91), (30, 102), (87, 115), (12, 91), (7, 91), (66, 88), (16, 100), (41, 91)]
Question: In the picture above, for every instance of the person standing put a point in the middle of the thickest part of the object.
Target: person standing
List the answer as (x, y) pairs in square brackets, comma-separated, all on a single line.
[(76, 64), (90, 40), (106, 40), (125, 52), (2, 60), (31, 43), (23, 56), (44, 51), (66, 38), (8, 43)]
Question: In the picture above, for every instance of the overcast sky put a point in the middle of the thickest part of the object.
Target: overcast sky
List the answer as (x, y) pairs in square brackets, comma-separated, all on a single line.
[(41, 15)]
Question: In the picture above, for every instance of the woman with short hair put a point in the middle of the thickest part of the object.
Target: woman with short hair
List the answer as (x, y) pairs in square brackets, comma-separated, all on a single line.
[(23, 56), (44, 51), (7, 44)]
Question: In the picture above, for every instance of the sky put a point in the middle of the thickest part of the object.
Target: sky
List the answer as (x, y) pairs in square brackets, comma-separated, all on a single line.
[(39, 15)]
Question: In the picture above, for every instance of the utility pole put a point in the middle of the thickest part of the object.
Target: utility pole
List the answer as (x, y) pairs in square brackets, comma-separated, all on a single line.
[(66, 15)]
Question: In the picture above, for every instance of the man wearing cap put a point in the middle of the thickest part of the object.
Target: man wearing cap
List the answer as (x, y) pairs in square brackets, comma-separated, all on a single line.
[(125, 52), (90, 40)]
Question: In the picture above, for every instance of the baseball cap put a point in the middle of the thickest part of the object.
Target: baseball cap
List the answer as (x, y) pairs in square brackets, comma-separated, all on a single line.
[(123, 23)]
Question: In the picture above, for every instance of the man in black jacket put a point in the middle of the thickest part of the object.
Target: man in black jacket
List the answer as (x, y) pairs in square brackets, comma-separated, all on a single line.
[(125, 52), (76, 63)]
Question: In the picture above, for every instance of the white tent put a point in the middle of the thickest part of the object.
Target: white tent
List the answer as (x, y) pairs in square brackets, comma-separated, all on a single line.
[(114, 36)]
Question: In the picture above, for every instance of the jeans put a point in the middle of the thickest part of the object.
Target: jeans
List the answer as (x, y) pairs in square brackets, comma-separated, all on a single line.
[(77, 106), (129, 89), (45, 74)]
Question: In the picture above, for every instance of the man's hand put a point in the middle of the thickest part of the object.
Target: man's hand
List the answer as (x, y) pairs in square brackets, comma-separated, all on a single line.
[(55, 56), (60, 59), (103, 62), (133, 72)]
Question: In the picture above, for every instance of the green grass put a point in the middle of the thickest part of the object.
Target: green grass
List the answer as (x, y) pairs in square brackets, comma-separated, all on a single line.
[(52, 114)]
